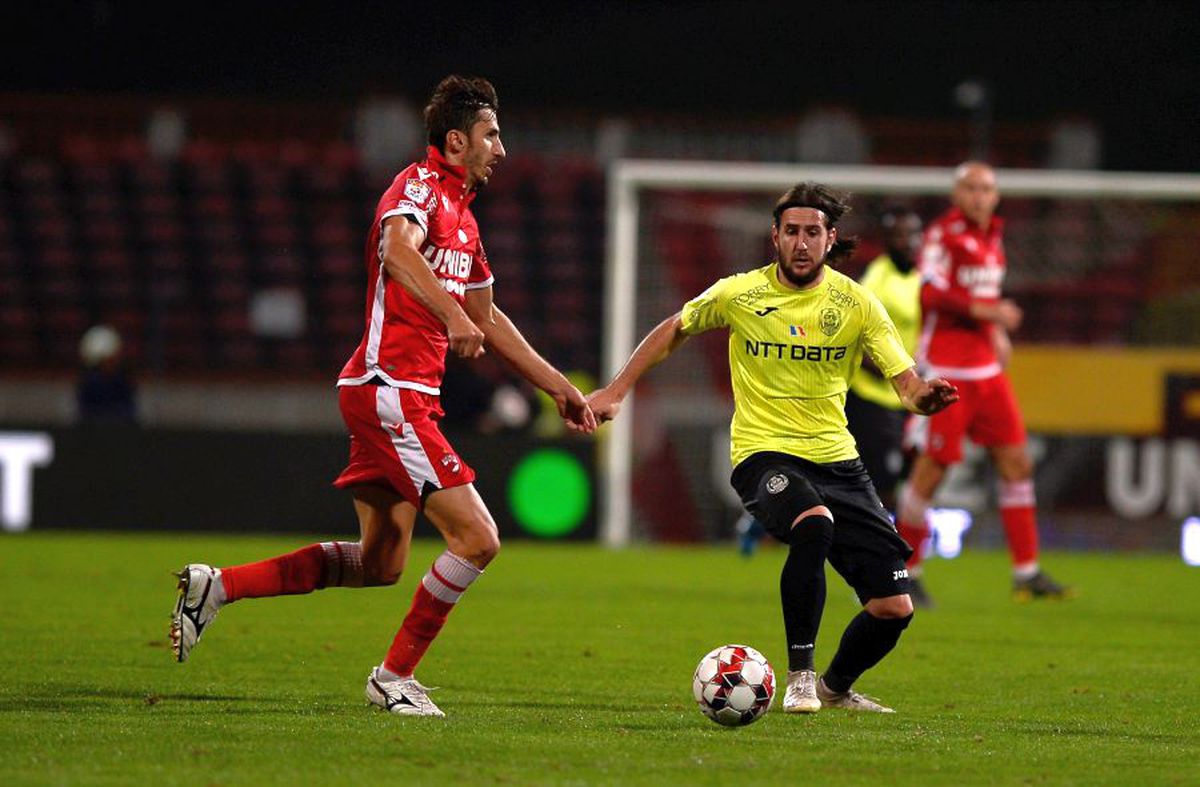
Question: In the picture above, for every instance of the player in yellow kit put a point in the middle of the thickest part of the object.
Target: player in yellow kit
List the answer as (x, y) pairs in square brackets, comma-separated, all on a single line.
[(875, 414), (797, 333)]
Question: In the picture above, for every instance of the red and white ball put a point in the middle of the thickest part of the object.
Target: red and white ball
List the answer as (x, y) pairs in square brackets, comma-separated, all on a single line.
[(734, 685)]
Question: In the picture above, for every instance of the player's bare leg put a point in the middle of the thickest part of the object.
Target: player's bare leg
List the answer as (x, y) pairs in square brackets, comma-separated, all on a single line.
[(923, 482), (1018, 512), (463, 519), (385, 522), (472, 541)]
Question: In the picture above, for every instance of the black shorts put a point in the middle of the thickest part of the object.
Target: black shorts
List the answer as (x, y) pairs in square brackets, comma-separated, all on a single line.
[(866, 549)]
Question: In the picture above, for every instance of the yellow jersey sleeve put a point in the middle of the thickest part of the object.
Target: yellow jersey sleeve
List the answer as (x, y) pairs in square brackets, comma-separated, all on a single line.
[(707, 310), (881, 340), (899, 292)]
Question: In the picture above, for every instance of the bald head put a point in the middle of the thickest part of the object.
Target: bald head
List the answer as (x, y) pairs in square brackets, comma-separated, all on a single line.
[(975, 191)]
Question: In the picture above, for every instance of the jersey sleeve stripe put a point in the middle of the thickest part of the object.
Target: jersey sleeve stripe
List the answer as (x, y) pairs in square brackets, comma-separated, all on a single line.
[(408, 209), (984, 372), (479, 285)]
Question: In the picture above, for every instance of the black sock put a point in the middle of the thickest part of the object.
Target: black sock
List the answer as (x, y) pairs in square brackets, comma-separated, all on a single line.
[(865, 642), (802, 587)]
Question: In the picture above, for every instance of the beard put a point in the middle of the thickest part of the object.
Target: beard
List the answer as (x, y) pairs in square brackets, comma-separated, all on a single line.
[(802, 279)]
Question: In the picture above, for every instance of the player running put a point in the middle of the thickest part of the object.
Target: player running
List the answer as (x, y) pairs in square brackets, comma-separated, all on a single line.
[(797, 333), (964, 338), (429, 288)]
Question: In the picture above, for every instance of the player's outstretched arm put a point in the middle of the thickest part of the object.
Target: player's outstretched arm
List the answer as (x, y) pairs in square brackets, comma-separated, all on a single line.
[(505, 338), (923, 397), (400, 245), (654, 349), (939, 297)]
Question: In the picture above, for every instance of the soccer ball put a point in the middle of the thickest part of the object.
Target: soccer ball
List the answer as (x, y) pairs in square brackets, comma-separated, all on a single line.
[(734, 685)]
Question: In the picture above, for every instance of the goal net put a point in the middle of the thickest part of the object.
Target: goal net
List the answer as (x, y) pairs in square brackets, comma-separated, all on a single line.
[(1094, 258)]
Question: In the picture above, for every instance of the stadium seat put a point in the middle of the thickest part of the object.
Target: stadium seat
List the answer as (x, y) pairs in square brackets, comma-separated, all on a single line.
[(236, 353), (115, 291), (339, 265)]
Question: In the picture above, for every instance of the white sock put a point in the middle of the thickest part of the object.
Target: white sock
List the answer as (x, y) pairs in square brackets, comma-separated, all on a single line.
[(387, 675), (218, 590), (1025, 571)]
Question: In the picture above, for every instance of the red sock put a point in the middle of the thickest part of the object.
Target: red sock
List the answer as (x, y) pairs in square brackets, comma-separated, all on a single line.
[(437, 594), (1018, 512), (912, 525), (915, 536), (1020, 526), (302, 571), (422, 624)]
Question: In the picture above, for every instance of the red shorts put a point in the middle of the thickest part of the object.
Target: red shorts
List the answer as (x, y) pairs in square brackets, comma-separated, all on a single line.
[(986, 412), (395, 440)]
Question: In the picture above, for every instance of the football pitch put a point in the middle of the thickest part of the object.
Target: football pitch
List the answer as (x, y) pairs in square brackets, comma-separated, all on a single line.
[(569, 664)]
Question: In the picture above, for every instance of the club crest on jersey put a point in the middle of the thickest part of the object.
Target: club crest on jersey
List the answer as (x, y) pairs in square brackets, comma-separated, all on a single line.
[(451, 463), (831, 321), (417, 191)]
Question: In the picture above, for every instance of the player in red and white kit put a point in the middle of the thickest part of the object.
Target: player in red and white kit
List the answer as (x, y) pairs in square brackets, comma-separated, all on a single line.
[(964, 339), (429, 289)]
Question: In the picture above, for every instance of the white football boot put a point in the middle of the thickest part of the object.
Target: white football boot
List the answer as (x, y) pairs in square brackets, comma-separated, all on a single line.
[(404, 696), (200, 598), (850, 700), (801, 696)]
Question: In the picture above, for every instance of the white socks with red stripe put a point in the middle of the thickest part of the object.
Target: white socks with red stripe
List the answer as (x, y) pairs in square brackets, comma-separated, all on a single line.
[(449, 577)]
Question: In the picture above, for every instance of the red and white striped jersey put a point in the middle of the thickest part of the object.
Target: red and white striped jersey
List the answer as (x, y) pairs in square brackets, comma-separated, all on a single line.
[(959, 263), (404, 344)]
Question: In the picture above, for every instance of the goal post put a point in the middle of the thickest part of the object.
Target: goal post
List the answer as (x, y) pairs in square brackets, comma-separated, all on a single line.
[(629, 181)]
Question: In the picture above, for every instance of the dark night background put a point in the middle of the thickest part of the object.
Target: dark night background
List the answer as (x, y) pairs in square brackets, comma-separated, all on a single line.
[(1131, 67)]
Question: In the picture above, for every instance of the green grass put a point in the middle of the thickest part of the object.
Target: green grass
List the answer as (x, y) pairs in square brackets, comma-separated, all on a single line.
[(571, 664)]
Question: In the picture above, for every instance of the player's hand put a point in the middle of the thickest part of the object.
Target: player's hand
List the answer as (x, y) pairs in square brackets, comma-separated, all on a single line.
[(1008, 315), (466, 340), (604, 404), (1004, 312), (574, 409), (936, 396)]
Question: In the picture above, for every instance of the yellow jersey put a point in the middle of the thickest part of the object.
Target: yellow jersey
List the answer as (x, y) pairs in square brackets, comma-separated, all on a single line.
[(791, 356), (900, 294)]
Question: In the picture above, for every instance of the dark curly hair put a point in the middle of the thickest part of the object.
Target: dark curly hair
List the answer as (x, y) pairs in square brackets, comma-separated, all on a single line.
[(834, 204), (455, 105)]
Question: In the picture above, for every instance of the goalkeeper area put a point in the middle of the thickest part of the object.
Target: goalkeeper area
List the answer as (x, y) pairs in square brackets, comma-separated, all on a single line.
[(1096, 260), (572, 664)]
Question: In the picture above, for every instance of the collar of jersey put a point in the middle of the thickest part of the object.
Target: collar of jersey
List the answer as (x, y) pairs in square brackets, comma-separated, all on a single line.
[(778, 286), (956, 214), (453, 177)]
